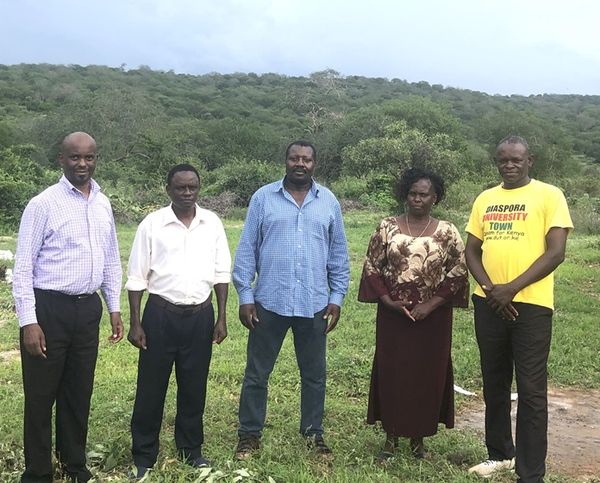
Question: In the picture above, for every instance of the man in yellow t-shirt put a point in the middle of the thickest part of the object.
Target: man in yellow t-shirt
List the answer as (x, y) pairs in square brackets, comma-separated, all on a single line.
[(517, 234)]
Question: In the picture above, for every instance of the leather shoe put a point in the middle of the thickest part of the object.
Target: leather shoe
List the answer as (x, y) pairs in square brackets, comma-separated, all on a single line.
[(198, 462), (140, 472)]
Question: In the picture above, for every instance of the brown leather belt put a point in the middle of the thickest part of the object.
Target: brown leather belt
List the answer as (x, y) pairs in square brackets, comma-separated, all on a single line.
[(178, 309)]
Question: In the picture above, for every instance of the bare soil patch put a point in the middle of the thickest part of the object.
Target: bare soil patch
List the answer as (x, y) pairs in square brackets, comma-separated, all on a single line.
[(573, 430)]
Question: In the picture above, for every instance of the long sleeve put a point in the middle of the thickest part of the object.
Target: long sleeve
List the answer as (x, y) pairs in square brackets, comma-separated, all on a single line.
[(29, 242), (338, 263), (246, 255), (113, 272), (138, 267), (222, 257)]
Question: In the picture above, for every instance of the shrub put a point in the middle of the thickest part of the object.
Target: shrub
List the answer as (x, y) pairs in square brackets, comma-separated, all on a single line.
[(241, 177)]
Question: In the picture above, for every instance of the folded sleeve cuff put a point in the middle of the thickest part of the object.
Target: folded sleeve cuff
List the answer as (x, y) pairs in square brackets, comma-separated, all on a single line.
[(246, 298), (136, 284), (336, 298)]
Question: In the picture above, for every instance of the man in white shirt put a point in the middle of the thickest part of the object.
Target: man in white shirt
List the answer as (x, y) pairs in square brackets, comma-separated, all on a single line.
[(179, 255)]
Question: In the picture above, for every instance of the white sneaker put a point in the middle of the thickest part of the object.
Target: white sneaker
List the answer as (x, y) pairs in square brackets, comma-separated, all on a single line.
[(489, 467)]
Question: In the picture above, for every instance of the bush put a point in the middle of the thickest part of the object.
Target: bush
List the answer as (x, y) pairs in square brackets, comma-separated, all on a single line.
[(349, 187), (222, 204), (241, 177), (21, 178), (585, 212)]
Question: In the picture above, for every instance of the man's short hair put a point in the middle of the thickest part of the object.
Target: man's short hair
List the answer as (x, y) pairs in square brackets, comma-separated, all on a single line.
[(514, 139), (181, 167), (303, 143)]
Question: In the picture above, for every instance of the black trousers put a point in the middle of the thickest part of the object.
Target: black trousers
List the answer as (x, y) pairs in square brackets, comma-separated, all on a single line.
[(523, 345), (66, 377), (186, 341)]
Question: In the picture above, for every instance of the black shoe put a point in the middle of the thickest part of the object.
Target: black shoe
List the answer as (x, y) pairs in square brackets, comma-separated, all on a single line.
[(317, 443), (247, 445), (140, 472), (198, 462), (82, 476)]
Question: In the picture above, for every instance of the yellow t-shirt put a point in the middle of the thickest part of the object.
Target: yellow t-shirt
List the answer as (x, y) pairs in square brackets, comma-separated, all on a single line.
[(513, 223)]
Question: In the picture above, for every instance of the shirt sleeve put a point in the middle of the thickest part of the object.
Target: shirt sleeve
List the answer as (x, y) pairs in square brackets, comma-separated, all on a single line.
[(372, 284), (475, 226), (29, 243), (223, 256), (455, 285), (338, 263), (246, 255), (558, 215), (113, 272), (138, 267)]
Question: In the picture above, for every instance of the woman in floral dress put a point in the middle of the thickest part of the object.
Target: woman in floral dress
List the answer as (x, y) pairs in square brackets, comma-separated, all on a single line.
[(416, 273)]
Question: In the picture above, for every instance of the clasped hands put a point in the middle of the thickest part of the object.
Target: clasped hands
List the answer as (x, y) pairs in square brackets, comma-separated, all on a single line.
[(499, 297), (418, 312)]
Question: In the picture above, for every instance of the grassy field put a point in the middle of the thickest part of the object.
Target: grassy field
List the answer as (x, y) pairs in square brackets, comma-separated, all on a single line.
[(283, 458)]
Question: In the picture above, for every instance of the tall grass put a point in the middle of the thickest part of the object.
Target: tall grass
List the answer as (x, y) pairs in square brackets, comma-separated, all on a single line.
[(284, 457)]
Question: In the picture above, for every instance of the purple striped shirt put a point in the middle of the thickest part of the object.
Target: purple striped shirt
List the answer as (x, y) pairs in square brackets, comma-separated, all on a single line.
[(67, 243)]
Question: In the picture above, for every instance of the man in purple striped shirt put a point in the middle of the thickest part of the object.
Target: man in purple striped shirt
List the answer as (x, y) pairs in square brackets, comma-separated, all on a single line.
[(66, 251)]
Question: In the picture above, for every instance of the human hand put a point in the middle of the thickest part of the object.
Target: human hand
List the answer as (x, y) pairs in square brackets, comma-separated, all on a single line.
[(397, 306), (248, 317), (34, 340), (137, 336), (421, 311), (499, 298), (332, 315), (117, 327), (220, 331)]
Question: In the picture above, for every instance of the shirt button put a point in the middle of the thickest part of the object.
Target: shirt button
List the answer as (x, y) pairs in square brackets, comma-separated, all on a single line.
[(299, 229), (299, 246), (298, 281)]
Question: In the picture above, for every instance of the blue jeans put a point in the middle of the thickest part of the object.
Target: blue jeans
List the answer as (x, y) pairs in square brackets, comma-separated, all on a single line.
[(264, 343)]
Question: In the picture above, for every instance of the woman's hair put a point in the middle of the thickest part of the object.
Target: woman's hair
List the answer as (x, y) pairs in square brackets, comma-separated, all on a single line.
[(410, 176)]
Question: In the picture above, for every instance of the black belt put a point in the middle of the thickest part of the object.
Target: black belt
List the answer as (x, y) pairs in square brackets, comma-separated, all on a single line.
[(178, 309), (55, 293)]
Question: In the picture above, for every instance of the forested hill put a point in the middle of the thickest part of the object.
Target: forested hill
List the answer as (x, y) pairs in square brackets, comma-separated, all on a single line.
[(234, 127)]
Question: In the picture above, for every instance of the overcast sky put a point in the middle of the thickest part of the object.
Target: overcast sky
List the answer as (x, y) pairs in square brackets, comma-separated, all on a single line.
[(496, 46)]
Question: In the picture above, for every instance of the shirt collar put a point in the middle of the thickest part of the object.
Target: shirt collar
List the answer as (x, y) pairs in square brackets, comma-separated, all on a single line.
[(170, 217), (314, 186), (94, 187)]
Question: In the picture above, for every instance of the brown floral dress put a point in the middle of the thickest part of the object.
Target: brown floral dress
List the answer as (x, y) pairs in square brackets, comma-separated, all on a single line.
[(412, 380)]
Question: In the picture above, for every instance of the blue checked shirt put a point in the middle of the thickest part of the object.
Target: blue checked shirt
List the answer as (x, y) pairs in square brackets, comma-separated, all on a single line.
[(293, 261), (67, 243)]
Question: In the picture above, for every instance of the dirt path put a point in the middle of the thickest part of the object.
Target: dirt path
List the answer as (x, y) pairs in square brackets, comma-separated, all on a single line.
[(573, 431)]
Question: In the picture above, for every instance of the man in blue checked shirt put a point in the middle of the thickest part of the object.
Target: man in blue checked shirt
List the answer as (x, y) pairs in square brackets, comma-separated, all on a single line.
[(291, 270), (66, 251)]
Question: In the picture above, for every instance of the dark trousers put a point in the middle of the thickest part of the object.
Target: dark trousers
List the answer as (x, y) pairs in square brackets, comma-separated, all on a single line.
[(264, 344), (66, 377), (186, 341), (523, 344)]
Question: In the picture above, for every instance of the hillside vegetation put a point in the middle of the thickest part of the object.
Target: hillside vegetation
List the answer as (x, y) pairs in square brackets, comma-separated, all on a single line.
[(235, 127)]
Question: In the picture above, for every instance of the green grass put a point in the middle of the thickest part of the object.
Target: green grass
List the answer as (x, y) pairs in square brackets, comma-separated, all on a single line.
[(573, 362)]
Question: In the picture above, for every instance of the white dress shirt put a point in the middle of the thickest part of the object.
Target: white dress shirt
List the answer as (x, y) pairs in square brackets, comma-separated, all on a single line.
[(178, 263)]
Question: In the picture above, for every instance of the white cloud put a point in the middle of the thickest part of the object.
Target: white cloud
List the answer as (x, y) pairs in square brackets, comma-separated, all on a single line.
[(501, 46)]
